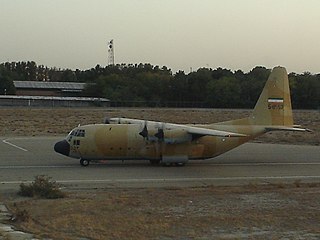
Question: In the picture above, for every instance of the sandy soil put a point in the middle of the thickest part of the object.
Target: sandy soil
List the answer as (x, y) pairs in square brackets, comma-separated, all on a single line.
[(59, 121), (249, 212)]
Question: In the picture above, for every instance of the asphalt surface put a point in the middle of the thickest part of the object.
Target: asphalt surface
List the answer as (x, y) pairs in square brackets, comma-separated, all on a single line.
[(23, 158)]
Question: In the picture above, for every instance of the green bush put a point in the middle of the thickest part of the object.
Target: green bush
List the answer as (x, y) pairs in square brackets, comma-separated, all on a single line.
[(42, 187)]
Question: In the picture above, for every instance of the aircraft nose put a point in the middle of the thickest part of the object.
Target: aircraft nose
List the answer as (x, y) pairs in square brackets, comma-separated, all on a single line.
[(62, 147)]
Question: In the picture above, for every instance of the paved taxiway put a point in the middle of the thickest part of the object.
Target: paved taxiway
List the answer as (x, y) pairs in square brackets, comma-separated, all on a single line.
[(22, 158)]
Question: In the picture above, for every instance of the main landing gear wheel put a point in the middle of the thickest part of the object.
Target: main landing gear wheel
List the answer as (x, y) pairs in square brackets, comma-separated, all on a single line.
[(154, 162), (178, 164), (84, 162)]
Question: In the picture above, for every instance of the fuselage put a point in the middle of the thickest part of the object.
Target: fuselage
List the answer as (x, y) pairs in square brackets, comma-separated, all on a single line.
[(125, 142)]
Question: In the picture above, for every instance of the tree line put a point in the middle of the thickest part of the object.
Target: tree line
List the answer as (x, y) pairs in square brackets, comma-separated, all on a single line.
[(148, 85)]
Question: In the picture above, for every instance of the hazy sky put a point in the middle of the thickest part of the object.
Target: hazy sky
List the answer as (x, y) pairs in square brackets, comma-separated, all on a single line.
[(180, 34)]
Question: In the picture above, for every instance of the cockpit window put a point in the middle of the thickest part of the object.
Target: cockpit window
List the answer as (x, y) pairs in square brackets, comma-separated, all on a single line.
[(72, 133), (77, 133), (81, 133)]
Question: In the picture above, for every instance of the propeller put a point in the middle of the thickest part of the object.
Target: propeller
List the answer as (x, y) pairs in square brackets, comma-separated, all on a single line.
[(144, 132), (106, 120), (160, 134)]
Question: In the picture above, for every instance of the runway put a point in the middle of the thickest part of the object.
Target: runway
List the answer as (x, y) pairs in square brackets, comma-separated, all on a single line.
[(22, 158)]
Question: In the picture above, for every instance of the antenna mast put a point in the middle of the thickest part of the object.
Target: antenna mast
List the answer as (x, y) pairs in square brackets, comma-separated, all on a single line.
[(110, 52)]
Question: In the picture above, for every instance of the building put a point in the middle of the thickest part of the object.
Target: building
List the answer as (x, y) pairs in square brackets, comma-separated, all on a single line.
[(57, 89), (47, 101), (51, 94)]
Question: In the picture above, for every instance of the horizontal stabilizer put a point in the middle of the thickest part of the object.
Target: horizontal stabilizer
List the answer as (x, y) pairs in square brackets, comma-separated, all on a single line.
[(284, 128)]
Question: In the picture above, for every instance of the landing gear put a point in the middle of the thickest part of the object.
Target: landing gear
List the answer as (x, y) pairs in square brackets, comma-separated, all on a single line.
[(84, 162), (154, 162), (177, 164)]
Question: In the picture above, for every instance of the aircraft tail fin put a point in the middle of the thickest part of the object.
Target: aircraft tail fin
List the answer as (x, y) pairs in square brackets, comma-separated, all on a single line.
[(274, 104), (273, 109)]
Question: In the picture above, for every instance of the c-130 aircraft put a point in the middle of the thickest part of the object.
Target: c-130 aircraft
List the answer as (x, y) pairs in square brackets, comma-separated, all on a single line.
[(176, 144)]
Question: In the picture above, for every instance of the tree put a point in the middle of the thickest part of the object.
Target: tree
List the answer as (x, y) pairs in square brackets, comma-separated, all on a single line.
[(150, 84), (197, 83), (6, 82), (224, 92), (306, 91), (31, 71), (178, 87), (252, 85), (68, 76)]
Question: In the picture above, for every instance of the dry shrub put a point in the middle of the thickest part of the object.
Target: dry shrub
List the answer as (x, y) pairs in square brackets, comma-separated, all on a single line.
[(21, 216), (42, 187), (297, 183), (278, 185)]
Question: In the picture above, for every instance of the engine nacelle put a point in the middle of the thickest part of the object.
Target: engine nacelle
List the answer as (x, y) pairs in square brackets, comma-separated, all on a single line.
[(176, 136)]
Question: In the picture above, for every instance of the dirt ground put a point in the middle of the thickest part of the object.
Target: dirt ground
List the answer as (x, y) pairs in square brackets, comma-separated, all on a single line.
[(59, 121), (272, 211), (275, 211)]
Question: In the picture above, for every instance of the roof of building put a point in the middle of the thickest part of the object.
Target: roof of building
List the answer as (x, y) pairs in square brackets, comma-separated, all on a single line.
[(90, 99), (50, 85)]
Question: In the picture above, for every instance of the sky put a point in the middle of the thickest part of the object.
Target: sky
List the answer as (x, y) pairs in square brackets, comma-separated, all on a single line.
[(179, 34)]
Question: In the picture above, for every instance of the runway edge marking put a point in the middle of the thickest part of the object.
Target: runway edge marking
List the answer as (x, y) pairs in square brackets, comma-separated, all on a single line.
[(13, 145)]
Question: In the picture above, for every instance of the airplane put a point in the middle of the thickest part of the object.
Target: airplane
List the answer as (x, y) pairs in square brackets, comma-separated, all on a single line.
[(175, 144)]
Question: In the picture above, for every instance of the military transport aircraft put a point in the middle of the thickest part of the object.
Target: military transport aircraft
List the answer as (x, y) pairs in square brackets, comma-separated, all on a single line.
[(175, 144)]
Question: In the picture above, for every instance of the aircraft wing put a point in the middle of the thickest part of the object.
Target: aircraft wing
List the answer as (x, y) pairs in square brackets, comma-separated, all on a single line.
[(194, 131), (211, 132)]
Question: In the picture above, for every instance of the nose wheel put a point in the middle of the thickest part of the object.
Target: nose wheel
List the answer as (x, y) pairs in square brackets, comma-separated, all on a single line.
[(84, 162)]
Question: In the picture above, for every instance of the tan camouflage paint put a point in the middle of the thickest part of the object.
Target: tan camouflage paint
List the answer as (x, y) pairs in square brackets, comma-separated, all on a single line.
[(277, 86), (122, 141)]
